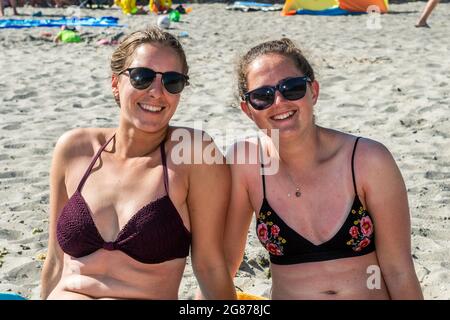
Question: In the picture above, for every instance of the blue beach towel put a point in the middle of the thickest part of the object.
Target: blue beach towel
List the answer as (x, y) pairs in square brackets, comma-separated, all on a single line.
[(85, 21), (254, 6), (328, 12), (11, 296)]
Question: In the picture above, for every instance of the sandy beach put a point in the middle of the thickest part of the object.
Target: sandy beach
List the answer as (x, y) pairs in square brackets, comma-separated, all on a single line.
[(384, 79)]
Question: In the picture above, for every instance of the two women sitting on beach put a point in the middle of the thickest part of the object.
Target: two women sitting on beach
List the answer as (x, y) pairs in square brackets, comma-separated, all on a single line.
[(335, 209)]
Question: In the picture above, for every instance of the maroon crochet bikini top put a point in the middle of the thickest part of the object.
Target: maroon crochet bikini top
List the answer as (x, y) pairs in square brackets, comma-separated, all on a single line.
[(154, 234)]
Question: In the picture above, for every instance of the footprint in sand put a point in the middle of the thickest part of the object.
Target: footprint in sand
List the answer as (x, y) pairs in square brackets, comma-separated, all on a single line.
[(23, 96), (440, 133), (391, 109), (15, 181), (433, 65), (22, 207), (95, 94), (23, 110), (29, 270), (10, 234), (43, 174), (15, 146), (350, 105), (12, 126), (376, 122), (325, 96), (11, 174), (399, 134), (37, 241), (435, 175), (40, 152)]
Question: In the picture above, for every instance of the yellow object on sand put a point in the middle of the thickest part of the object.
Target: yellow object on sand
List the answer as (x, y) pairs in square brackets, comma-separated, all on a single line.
[(160, 5), (128, 6), (315, 5), (291, 6), (248, 296)]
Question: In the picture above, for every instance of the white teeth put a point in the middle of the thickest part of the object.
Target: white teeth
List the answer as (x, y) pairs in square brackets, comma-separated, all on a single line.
[(283, 115), (150, 108)]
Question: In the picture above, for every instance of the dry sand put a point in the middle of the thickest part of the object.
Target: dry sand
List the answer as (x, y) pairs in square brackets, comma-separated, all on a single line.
[(390, 84)]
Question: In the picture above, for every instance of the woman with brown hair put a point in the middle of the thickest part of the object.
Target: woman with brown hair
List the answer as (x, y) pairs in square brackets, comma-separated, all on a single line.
[(334, 216), (123, 214)]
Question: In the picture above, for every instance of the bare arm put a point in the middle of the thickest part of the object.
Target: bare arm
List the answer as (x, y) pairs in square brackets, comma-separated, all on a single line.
[(239, 216), (209, 188), (53, 265), (387, 201)]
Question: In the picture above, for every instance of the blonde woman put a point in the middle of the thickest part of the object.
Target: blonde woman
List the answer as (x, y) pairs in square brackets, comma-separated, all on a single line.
[(123, 215)]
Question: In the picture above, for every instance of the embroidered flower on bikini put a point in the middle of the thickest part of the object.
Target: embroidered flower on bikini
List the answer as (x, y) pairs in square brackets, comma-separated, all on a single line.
[(361, 231), (354, 232), (275, 230), (262, 232), (269, 234), (366, 226), (362, 244), (273, 249)]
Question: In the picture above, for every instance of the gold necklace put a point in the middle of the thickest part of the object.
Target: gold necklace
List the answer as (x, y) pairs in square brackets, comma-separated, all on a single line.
[(297, 188)]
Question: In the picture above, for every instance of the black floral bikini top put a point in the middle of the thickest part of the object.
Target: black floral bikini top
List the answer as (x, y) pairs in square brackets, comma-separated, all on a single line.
[(355, 237)]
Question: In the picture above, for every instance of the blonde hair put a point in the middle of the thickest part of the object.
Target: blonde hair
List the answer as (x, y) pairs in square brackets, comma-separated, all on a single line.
[(122, 56)]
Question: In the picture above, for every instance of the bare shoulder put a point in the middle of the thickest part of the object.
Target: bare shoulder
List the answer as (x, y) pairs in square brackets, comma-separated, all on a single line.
[(80, 142), (243, 156), (367, 151), (375, 166), (372, 153)]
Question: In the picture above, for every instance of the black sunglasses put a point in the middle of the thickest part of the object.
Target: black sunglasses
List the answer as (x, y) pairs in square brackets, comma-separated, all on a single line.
[(141, 78), (291, 89)]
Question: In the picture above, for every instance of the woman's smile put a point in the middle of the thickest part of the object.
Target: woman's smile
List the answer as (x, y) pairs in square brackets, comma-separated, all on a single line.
[(150, 107), (283, 116)]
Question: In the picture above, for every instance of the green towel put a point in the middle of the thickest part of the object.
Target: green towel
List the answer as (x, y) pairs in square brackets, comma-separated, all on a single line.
[(68, 36)]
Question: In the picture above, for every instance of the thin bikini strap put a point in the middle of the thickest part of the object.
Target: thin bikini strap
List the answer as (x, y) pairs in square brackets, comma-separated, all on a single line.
[(94, 160), (164, 163), (353, 169), (262, 167)]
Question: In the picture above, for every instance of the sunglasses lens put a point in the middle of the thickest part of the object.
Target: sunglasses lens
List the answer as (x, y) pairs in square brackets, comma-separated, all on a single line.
[(261, 98), (174, 82), (293, 89), (141, 78)]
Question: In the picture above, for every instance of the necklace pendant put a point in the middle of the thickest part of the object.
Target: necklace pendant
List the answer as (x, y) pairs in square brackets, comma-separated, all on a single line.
[(298, 193)]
